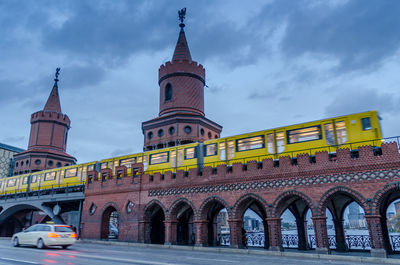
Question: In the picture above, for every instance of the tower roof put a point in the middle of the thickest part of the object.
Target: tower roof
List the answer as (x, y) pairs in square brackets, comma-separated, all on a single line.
[(53, 102), (182, 51)]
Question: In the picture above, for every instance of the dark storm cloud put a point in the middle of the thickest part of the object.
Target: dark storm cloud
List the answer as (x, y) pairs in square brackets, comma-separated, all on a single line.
[(359, 33)]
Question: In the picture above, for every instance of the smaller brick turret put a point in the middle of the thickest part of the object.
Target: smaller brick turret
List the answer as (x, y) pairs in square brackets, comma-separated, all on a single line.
[(48, 138), (181, 118)]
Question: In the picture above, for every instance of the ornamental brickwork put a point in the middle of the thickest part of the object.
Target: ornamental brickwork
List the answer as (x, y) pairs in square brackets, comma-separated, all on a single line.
[(367, 177)]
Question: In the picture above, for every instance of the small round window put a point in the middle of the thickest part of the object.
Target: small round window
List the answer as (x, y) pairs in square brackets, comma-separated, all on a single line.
[(27, 162), (16, 164), (50, 163), (160, 132), (209, 135), (22, 163), (150, 135), (202, 131), (188, 129), (38, 162), (58, 164), (171, 130)]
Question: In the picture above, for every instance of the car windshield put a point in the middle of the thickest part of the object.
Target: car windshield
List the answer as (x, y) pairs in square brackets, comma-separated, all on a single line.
[(62, 229)]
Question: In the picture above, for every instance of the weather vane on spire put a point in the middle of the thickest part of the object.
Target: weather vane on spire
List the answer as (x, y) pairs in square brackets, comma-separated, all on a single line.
[(57, 74), (182, 14)]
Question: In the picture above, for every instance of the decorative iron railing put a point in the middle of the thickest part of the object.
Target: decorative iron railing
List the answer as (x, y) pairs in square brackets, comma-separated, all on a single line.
[(353, 242)]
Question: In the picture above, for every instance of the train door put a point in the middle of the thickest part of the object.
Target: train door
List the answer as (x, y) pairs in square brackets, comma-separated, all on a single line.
[(222, 151), (179, 157), (143, 159), (172, 159), (276, 142), (231, 150), (335, 132)]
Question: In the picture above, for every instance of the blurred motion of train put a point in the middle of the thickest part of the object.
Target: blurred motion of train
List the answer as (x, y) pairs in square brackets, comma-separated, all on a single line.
[(350, 131)]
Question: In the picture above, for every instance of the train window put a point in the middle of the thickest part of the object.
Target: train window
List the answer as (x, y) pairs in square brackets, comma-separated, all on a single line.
[(34, 179), (190, 153), (231, 150), (90, 167), (25, 180), (329, 135), (104, 165), (304, 134), (173, 159), (366, 124), (11, 182), (127, 162), (50, 176), (210, 150), (69, 173), (159, 158), (280, 142), (250, 143)]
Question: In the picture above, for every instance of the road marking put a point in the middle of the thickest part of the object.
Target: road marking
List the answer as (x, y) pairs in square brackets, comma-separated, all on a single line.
[(18, 260), (221, 260)]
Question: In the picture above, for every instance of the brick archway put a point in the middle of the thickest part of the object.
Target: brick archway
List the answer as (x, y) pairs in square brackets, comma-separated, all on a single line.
[(258, 205), (154, 217), (354, 195), (110, 219), (207, 203), (380, 203), (298, 204), (280, 204), (181, 229)]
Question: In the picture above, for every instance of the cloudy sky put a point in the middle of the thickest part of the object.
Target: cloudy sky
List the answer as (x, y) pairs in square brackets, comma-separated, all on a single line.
[(268, 64)]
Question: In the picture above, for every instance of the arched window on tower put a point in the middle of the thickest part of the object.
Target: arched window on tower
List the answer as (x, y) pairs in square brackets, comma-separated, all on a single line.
[(168, 92)]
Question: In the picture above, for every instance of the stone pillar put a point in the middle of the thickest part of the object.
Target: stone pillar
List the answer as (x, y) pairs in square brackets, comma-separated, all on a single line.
[(376, 236), (321, 235), (170, 232), (142, 232), (275, 233), (235, 228), (301, 233), (200, 228), (341, 244)]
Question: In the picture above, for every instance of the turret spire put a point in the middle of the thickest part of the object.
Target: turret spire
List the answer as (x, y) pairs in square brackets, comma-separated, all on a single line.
[(53, 102), (182, 52)]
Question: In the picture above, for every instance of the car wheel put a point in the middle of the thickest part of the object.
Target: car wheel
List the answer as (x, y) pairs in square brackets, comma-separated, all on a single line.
[(16, 242), (40, 244), (65, 247)]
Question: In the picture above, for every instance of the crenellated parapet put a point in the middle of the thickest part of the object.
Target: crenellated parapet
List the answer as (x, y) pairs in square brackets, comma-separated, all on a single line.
[(50, 116), (170, 68)]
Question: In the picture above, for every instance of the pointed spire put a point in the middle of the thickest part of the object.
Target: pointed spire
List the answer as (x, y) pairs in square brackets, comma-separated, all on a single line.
[(53, 102), (182, 51)]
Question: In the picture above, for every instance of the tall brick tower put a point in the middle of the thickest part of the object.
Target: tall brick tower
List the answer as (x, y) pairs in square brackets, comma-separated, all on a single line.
[(181, 118), (48, 138)]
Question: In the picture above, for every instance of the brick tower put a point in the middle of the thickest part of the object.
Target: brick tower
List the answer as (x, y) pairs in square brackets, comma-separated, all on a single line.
[(181, 118), (48, 138)]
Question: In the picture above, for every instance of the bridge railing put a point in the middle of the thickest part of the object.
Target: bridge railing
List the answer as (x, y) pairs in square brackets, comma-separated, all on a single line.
[(353, 242)]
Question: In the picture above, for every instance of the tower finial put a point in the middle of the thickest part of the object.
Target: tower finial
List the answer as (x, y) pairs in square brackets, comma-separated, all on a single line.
[(57, 74), (182, 14)]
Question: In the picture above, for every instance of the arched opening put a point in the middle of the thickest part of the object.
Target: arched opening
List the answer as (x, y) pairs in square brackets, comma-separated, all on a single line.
[(168, 92), (294, 212), (346, 225), (254, 230), (157, 228), (183, 216), (216, 216), (389, 209), (110, 224)]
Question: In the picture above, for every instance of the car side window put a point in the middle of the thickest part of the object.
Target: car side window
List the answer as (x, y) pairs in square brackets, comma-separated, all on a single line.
[(46, 228), (30, 229)]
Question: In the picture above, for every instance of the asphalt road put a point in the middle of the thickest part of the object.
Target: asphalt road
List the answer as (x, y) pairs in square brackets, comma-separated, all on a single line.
[(85, 253)]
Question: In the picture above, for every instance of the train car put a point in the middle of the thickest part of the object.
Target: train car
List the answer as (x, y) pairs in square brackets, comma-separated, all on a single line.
[(350, 131), (1, 186), (11, 185), (181, 157), (126, 160)]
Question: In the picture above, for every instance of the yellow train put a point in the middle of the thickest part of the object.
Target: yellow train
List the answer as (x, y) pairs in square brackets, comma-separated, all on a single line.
[(350, 131)]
